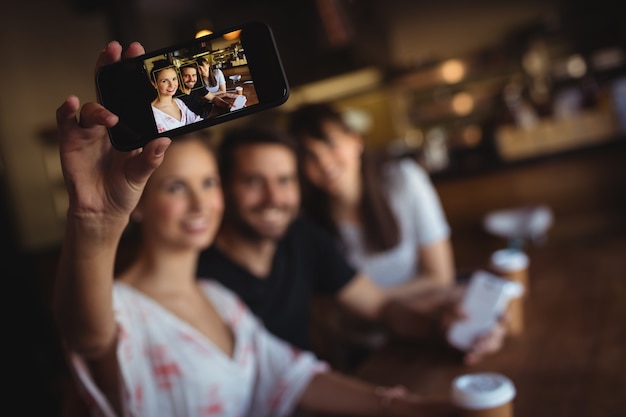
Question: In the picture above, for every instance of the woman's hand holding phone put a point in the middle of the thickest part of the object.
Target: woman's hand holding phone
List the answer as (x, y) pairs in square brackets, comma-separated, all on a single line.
[(138, 87), (110, 180)]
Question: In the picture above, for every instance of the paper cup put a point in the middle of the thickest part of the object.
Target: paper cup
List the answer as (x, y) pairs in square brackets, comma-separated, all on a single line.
[(239, 90), (483, 395), (513, 264)]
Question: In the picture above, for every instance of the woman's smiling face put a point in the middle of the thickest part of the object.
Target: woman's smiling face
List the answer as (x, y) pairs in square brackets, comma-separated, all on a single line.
[(333, 164), (182, 204), (166, 82)]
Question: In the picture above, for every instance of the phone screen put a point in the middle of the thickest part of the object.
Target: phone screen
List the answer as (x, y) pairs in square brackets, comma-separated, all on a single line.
[(193, 85)]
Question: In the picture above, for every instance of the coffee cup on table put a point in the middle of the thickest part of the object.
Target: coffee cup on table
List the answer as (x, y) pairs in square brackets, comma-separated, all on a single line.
[(512, 264), (484, 394), (239, 90)]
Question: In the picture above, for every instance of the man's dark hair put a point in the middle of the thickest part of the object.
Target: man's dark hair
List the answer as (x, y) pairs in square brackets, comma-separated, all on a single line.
[(255, 135), (190, 65)]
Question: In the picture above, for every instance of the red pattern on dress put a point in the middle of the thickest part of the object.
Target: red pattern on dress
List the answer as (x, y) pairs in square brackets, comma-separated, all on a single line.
[(214, 404), (165, 370)]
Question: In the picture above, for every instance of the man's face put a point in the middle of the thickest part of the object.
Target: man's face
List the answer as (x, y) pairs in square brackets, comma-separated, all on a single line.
[(263, 196), (189, 76)]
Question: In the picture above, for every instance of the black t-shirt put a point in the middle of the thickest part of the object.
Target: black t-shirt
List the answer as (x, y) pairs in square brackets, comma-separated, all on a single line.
[(196, 102), (307, 262)]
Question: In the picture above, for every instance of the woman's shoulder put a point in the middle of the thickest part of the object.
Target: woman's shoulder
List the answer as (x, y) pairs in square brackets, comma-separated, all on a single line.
[(126, 299), (405, 169), (182, 105), (209, 285), (410, 164), (120, 288), (228, 304), (220, 294)]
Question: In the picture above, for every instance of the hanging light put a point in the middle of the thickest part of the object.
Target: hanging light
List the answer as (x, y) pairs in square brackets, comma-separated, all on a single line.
[(203, 32), (576, 66), (231, 36), (462, 103), (452, 71), (202, 27)]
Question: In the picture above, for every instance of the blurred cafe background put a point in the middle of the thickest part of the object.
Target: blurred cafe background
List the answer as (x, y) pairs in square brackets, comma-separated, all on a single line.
[(507, 104)]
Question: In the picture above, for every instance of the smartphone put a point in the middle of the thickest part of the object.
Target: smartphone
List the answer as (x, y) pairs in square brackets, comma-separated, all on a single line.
[(142, 91), (485, 299)]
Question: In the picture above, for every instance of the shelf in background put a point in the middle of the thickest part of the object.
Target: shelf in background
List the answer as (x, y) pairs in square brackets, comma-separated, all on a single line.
[(551, 135)]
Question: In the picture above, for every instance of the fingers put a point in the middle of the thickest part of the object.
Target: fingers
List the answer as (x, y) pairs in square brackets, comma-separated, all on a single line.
[(145, 162), (113, 53), (66, 113), (486, 344), (110, 54), (82, 125), (457, 293), (453, 314), (134, 49), (94, 114), (473, 357), (505, 317)]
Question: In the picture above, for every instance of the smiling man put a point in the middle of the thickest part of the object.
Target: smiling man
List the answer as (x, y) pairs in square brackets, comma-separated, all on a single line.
[(276, 260), (191, 93)]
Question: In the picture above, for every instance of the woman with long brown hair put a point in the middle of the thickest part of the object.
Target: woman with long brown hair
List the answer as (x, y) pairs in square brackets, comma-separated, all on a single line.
[(214, 83), (385, 213)]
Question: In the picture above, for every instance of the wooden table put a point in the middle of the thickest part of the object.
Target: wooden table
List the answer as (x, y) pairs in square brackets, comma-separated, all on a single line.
[(571, 358)]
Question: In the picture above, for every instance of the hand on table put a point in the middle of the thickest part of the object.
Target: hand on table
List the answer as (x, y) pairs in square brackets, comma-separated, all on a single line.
[(487, 343), (225, 100), (445, 304), (484, 344)]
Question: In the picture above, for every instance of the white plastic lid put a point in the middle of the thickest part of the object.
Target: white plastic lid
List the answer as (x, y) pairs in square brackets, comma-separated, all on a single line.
[(509, 260), (482, 390)]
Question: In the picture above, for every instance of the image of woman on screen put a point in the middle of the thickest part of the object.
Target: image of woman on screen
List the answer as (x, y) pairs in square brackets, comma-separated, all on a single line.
[(169, 112), (215, 83)]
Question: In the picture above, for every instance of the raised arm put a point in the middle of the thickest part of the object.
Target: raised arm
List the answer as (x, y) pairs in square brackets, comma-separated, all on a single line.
[(103, 186)]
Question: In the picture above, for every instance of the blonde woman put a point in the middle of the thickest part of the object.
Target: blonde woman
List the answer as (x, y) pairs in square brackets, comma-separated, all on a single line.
[(169, 112), (154, 340)]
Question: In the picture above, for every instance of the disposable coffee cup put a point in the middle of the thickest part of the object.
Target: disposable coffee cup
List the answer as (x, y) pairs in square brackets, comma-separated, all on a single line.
[(483, 395), (512, 264), (239, 90)]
